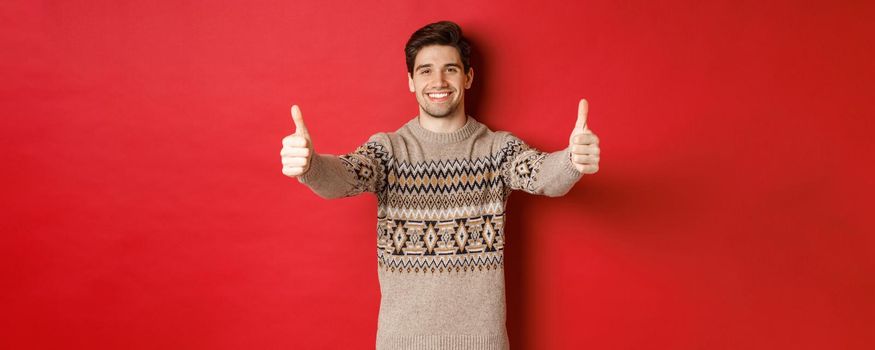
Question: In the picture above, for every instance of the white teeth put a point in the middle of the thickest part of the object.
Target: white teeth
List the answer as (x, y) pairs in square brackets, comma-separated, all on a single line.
[(441, 95)]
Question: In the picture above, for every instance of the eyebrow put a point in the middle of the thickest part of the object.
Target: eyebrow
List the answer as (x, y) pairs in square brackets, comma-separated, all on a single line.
[(428, 65)]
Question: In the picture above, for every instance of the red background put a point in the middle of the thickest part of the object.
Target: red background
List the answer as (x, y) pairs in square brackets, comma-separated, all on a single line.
[(144, 205)]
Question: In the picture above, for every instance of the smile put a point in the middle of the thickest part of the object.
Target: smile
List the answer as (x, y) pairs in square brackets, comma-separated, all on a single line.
[(439, 96)]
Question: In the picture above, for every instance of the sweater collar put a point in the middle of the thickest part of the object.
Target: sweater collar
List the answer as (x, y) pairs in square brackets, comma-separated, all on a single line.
[(471, 126)]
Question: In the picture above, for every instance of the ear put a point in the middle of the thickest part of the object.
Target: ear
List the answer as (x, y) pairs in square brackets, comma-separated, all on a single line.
[(470, 77), (410, 83)]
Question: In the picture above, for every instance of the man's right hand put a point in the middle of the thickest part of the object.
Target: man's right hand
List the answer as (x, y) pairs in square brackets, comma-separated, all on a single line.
[(297, 148)]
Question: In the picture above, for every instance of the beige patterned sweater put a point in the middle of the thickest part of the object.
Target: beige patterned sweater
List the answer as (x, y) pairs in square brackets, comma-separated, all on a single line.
[(440, 225)]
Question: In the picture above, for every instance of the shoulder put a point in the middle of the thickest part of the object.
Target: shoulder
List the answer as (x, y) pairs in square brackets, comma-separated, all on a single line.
[(377, 146), (507, 139), (381, 138)]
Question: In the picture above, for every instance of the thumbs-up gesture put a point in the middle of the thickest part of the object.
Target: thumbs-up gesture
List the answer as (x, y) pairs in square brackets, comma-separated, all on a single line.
[(297, 148), (584, 144)]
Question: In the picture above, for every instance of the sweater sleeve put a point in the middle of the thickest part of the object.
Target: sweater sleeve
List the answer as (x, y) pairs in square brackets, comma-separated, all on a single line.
[(528, 169), (337, 176)]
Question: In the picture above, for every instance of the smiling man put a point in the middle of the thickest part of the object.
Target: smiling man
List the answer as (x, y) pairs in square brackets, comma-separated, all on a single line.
[(442, 181), (439, 79)]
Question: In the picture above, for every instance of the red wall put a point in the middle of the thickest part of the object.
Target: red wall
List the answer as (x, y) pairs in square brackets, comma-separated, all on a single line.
[(144, 207)]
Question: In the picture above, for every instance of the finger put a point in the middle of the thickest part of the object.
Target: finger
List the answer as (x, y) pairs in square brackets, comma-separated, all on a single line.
[(295, 141), (294, 161), (300, 128), (585, 139), (585, 159), (590, 168), (584, 149), (295, 152), (582, 111)]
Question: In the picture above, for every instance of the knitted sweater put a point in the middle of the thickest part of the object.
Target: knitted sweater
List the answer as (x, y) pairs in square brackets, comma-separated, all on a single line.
[(440, 225)]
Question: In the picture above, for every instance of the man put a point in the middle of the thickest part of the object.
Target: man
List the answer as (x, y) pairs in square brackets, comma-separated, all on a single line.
[(442, 181)]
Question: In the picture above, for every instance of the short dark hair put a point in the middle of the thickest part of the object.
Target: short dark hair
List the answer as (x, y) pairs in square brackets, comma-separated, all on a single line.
[(438, 33)]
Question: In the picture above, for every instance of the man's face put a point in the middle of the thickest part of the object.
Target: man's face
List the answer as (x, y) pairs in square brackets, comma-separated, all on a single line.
[(439, 80)]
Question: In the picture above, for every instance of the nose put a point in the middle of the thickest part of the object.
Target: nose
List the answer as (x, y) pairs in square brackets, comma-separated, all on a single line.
[(441, 79)]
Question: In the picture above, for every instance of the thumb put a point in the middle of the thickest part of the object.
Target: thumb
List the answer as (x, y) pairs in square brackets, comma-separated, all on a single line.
[(582, 110), (300, 128)]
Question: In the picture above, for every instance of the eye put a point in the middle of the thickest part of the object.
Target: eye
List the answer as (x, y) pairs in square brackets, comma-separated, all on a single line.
[(424, 71), (452, 69)]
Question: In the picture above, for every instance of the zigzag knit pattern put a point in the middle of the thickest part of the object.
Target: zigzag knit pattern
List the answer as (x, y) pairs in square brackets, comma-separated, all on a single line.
[(434, 211)]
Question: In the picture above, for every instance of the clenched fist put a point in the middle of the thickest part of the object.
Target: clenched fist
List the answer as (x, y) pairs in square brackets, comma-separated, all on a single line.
[(297, 148), (584, 144)]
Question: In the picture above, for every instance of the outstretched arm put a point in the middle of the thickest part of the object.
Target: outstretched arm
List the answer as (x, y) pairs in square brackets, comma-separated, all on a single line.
[(331, 176), (551, 174), (531, 170), (363, 170)]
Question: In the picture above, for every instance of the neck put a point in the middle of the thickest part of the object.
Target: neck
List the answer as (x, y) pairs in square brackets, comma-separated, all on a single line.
[(449, 123)]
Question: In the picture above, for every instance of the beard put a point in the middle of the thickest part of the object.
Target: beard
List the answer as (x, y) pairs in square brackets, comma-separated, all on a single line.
[(440, 110)]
